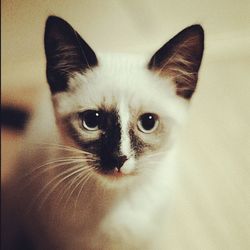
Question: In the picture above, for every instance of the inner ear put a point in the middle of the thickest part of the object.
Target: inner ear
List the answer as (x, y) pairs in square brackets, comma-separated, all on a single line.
[(66, 53), (180, 59)]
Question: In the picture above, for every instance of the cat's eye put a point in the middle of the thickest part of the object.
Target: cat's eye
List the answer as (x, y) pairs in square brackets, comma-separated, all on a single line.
[(90, 119), (148, 123)]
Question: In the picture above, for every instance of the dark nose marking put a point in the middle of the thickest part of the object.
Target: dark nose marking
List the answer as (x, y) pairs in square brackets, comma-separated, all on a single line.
[(120, 161), (113, 161), (107, 148), (111, 156)]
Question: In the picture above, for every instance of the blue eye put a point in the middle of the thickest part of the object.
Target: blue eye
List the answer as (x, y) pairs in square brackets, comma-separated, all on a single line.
[(147, 123), (90, 120)]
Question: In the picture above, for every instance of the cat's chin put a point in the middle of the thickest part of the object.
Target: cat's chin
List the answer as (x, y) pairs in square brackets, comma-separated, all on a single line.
[(115, 174), (115, 179)]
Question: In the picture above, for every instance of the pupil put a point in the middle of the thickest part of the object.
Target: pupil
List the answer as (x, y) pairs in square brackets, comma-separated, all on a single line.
[(148, 121), (91, 119)]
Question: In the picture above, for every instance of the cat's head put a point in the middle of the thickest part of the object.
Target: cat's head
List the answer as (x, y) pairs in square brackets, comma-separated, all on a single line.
[(122, 111)]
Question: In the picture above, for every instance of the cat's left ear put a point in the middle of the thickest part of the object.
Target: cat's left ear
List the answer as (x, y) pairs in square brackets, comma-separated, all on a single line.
[(180, 59), (66, 53)]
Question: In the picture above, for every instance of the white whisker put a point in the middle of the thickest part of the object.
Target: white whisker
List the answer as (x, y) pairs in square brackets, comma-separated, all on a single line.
[(79, 181), (79, 169), (82, 182), (51, 181), (64, 160), (64, 147)]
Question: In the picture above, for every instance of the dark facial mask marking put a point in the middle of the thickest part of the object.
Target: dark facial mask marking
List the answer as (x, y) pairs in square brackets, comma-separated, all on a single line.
[(107, 146)]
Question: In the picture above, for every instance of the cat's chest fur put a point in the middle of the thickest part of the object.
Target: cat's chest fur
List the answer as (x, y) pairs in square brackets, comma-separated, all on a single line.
[(127, 223), (129, 219), (135, 219)]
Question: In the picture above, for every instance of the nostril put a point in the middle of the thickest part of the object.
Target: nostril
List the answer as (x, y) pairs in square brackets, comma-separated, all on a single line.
[(121, 160)]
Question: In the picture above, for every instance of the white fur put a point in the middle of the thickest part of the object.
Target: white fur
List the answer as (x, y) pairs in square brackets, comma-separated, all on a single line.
[(111, 213)]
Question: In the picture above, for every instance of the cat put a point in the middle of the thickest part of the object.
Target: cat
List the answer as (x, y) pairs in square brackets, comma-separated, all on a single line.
[(95, 169)]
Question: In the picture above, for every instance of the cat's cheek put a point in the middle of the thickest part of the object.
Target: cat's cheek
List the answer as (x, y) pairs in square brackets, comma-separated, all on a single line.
[(128, 167)]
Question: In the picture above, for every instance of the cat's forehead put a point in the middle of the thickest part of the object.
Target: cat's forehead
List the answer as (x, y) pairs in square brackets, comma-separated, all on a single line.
[(122, 77), (121, 72), (120, 80)]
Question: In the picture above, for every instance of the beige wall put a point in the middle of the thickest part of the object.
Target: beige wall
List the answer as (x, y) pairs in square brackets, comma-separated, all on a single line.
[(211, 208)]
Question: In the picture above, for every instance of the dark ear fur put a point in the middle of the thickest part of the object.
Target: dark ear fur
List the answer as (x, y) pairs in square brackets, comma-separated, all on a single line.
[(180, 59), (66, 53)]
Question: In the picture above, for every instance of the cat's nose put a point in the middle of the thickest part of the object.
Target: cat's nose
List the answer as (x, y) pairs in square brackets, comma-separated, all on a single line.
[(120, 161)]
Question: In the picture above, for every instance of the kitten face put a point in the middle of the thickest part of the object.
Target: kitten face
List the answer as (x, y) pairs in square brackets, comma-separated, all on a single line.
[(122, 110)]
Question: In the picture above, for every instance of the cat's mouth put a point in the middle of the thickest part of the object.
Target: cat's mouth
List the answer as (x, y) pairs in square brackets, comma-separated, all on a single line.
[(120, 171), (114, 173)]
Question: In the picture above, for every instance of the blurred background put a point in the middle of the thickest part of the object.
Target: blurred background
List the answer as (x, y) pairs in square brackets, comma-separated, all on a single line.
[(211, 201)]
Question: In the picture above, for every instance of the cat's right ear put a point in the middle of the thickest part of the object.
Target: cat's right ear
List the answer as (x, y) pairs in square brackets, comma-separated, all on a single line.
[(66, 53)]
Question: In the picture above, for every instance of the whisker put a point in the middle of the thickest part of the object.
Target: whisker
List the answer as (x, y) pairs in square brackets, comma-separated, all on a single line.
[(50, 182), (64, 147), (47, 168), (73, 182), (43, 171), (82, 177), (83, 181), (67, 188), (78, 169), (59, 160)]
